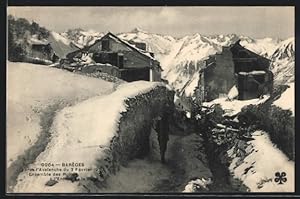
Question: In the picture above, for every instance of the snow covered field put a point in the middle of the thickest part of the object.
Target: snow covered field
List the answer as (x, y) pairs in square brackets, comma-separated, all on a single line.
[(257, 170)]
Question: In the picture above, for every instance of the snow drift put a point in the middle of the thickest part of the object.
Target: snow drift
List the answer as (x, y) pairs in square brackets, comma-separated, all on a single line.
[(93, 133)]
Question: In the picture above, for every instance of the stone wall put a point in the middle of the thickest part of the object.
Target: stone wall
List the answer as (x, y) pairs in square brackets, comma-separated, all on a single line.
[(132, 139), (219, 77)]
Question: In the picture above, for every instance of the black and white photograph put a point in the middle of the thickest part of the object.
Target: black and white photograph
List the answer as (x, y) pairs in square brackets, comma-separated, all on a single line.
[(150, 99)]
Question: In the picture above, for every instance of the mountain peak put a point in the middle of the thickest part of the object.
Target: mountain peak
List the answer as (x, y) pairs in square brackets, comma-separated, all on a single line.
[(137, 30)]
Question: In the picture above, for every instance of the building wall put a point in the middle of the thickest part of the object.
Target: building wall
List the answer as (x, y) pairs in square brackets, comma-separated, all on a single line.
[(222, 73), (136, 66), (136, 74), (219, 77), (105, 68), (156, 75), (253, 86)]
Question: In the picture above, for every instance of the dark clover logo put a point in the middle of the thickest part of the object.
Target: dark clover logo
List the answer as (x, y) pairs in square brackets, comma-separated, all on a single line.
[(280, 177)]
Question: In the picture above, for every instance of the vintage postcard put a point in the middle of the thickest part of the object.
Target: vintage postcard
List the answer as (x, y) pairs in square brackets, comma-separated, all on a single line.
[(154, 99)]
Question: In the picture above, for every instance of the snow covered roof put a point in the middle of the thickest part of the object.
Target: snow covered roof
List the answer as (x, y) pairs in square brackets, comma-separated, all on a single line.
[(237, 43), (143, 52), (117, 39), (35, 41), (255, 72)]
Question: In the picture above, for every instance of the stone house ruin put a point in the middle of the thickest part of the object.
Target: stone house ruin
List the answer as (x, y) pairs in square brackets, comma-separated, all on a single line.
[(235, 66), (131, 58)]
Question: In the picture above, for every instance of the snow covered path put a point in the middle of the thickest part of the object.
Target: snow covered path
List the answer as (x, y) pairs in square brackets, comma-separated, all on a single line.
[(35, 93), (151, 176)]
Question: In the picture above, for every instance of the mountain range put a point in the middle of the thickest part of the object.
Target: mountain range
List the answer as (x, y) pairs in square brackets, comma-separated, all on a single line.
[(182, 58)]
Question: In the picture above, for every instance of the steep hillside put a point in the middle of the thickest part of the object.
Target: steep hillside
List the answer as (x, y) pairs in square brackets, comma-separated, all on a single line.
[(61, 45), (283, 65)]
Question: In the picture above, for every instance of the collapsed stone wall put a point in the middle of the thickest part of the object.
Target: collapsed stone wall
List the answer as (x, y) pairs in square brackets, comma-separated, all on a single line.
[(132, 139)]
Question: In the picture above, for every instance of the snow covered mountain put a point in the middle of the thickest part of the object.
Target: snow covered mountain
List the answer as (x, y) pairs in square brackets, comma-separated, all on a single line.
[(82, 38), (181, 58), (283, 65), (61, 45)]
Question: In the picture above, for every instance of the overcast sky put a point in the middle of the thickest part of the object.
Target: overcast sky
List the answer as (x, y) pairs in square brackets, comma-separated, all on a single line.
[(255, 22)]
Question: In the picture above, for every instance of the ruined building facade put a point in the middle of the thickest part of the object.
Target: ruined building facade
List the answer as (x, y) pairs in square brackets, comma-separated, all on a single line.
[(235, 66)]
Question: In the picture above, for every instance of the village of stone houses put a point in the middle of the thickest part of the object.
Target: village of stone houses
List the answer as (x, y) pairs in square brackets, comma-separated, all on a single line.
[(145, 112)]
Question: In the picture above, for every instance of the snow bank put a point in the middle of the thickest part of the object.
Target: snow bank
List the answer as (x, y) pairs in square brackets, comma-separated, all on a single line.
[(255, 72), (257, 170), (31, 90), (287, 99), (233, 107), (233, 93), (196, 185), (82, 133)]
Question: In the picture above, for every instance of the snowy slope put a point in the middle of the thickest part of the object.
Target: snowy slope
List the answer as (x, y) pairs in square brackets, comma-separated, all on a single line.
[(61, 45), (257, 171), (71, 136), (283, 65), (34, 92), (287, 99)]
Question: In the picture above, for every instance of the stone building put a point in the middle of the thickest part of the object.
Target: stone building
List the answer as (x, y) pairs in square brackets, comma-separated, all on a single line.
[(235, 66), (132, 59)]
